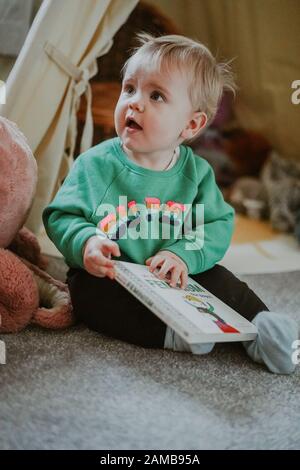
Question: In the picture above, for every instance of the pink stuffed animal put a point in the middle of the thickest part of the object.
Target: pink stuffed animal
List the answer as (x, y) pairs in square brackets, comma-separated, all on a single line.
[(27, 292)]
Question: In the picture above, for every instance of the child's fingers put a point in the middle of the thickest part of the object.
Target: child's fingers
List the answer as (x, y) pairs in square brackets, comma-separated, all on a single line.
[(156, 262), (106, 252), (152, 264), (176, 272), (166, 267), (111, 274), (97, 263), (109, 248), (184, 279), (103, 261), (106, 272)]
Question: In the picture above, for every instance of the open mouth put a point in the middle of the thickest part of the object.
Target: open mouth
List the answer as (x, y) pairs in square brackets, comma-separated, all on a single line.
[(132, 124)]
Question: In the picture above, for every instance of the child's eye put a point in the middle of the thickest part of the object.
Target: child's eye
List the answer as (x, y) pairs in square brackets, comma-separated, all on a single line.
[(156, 95), (128, 89)]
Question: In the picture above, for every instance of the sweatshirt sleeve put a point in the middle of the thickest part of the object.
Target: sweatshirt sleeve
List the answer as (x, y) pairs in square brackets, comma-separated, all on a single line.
[(68, 219), (206, 243)]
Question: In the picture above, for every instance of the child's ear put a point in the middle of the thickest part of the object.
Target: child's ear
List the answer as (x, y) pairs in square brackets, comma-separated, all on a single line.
[(196, 123)]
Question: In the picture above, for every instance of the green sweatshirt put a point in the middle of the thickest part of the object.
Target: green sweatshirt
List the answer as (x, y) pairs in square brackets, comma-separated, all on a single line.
[(143, 210)]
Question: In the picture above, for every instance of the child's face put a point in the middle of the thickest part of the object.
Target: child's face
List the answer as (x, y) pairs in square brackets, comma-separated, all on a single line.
[(160, 106)]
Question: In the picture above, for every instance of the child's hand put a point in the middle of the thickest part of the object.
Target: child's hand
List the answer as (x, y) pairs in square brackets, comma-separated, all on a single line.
[(96, 256), (170, 263)]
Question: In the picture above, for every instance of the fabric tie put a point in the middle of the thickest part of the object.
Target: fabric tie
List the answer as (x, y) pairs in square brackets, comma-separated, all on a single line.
[(80, 86)]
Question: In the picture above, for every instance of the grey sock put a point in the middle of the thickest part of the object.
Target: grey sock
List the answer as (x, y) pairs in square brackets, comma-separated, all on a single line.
[(273, 345), (176, 343)]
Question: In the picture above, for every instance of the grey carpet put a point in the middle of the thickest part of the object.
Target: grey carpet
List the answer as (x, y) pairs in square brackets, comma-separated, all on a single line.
[(76, 389)]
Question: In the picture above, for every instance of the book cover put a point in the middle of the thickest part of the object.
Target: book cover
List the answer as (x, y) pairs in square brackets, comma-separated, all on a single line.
[(194, 313)]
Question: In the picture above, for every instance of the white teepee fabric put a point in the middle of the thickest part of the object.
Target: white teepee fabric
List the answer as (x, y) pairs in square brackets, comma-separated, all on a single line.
[(51, 73)]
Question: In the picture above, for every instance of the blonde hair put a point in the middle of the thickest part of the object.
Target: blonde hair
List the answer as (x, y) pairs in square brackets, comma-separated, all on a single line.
[(207, 78)]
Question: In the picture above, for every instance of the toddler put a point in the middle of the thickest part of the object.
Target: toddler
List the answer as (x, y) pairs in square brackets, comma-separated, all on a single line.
[(119, 192)]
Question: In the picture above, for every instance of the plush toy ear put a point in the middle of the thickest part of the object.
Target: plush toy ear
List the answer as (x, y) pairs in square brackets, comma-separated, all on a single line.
[(26, 245), (55, 309)]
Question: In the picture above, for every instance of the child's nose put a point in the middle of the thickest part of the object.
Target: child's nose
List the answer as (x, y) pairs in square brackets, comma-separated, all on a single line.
[(137, 105)]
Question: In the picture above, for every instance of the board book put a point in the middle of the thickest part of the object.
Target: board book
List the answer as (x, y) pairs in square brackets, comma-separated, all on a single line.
[(194, 313)]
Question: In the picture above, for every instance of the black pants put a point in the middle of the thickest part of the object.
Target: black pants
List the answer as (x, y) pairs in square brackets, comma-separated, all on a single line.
[(107, 307)]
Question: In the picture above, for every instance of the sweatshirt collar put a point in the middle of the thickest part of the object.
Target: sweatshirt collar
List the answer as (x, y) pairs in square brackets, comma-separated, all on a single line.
[(147, 171)]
